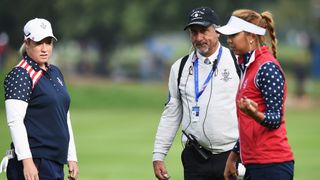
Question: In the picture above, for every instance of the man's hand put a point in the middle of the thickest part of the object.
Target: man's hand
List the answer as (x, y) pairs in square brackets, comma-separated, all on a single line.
[(230, 171), (160, 170)]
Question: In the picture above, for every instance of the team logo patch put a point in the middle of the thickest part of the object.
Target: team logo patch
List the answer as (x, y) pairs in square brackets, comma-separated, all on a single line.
[(225, 75)]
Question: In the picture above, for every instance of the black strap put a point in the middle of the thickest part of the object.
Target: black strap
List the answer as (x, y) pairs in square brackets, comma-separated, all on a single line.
[(182, 63), (236, 63)]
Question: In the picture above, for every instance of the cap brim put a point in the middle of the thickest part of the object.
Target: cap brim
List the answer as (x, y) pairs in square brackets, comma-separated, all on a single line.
[(236, 25), (54, 38), (43, 37), (228, 30), (205, 24)]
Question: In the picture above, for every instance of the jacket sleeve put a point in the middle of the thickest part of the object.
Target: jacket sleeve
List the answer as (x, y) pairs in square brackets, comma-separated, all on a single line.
[(271, 82), (72, 153), (170, 119), (16, 111)]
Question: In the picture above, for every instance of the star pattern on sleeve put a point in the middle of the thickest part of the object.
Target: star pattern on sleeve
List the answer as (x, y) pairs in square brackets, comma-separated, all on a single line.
[(18, 85), (270, 81)]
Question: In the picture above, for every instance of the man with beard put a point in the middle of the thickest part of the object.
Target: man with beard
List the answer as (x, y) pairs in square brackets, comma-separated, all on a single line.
[(202, 91)]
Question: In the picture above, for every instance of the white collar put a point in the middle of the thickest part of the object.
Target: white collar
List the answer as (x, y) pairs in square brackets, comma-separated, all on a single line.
[(252, 58)]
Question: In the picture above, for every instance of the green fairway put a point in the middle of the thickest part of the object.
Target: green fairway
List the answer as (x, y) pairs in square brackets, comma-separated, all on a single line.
[(115, 124)]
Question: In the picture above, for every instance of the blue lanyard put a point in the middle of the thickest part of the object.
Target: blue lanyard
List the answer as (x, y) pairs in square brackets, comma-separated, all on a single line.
[(196, 75)]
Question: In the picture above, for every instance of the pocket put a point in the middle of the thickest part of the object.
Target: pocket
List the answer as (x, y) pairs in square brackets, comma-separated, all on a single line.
[(259, 135), (14, 169), (249, 134)]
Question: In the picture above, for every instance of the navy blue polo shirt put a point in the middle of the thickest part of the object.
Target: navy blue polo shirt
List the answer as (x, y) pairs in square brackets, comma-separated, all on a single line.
[(48, 105)]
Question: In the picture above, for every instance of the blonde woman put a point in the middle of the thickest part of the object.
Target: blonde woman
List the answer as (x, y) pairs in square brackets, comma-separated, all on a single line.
[(37, 106)]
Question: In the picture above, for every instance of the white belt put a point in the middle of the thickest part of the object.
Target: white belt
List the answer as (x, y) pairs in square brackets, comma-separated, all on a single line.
[(4, 163)]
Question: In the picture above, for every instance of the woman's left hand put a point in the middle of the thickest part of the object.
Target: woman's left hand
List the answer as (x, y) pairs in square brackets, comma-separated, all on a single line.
[(248, 106), (73, 170)]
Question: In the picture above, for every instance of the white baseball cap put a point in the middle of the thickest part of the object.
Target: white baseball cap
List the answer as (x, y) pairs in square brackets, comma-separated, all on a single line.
[(236, 25), (37, 29)]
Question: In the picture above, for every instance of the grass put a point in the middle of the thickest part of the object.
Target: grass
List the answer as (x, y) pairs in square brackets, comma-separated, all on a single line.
[(115, 124), (303, 133)]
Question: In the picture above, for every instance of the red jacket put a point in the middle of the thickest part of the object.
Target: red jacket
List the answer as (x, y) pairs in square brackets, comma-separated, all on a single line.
[(258, 144)]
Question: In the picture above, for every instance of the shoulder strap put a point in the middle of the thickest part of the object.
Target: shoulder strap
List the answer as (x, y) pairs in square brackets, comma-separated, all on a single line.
[(182, 63), (34, 75), (236, 63)]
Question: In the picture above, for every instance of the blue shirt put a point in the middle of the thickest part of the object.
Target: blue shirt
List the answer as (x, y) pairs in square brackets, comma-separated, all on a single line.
[(48, 105)]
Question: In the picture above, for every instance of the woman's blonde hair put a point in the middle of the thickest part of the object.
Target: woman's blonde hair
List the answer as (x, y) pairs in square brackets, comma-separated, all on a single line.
[(263, 20), (23, 49)]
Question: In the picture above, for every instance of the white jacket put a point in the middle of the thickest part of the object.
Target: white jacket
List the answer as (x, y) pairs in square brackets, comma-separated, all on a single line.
[(217, 127)]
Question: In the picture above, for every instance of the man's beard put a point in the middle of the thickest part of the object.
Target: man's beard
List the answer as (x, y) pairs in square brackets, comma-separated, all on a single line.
[(203, 51), (201, 44)]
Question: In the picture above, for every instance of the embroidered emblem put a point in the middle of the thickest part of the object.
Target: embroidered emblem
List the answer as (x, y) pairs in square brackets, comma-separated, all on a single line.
[(225, 75), (59, 80), (197, 15), (43, 26)]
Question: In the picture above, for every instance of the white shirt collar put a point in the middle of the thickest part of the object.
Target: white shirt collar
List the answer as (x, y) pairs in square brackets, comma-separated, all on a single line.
[(252, 58)]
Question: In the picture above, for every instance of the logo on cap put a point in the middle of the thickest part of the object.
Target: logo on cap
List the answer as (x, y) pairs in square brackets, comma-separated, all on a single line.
[(27, 34), (203, 16), (43, 26), (196, 15)]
